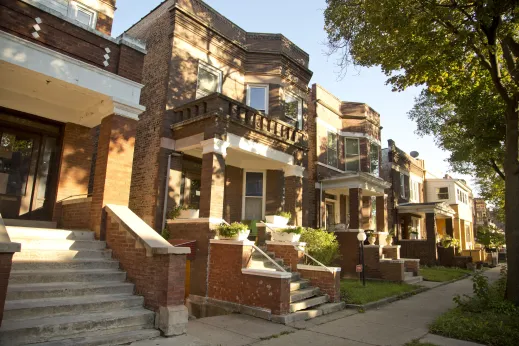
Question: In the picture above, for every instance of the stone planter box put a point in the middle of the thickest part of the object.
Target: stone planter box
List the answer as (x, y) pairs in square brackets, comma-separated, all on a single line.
[(277, 220), (239, 237), (189, 214), (286, 237)]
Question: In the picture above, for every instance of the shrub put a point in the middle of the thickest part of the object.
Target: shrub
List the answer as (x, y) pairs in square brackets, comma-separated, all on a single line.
[(321, 245), (448, 241), (229, 231), (285, 214), (296, 230), (165, 233)]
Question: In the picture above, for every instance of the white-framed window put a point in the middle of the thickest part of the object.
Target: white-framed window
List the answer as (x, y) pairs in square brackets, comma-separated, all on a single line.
[(374, 158), (254, 190), (415, 222), (82, 14), (402, 185), (351, 154), (373, 219), (442, 192), (209, 80), (414, 191), (331, 150), (258, 97), (294, 109)]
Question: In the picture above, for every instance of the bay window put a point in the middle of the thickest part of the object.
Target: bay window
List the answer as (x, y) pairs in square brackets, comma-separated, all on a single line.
[(352, 154), (331, 149), (374, 155)]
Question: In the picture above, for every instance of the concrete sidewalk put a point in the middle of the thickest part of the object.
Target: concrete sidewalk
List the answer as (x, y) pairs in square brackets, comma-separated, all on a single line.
[(394, 324)]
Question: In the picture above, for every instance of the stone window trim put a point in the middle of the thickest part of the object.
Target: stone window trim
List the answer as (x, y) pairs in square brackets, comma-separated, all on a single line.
[(244, 191), (203, 66), (76, 7)]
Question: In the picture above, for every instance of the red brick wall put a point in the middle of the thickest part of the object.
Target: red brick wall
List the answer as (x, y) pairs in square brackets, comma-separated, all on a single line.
[(75, 215), (355, 200), (422, 249), (274, 191), (412, 266), (233, 194), (290, 256), (372, 256), (391, 252), (212, 185), (104, 23), (227, 283), (6, 260), (392, 271), (159, 278), (349, 250), (328, 283), (294, 199)]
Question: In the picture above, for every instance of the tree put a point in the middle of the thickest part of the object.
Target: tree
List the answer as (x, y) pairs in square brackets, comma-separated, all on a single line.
[(451, 47), (490, 237)]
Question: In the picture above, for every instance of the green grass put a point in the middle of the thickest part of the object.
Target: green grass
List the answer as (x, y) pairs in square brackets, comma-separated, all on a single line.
[(442, 274), (352, 291), (486, 327)]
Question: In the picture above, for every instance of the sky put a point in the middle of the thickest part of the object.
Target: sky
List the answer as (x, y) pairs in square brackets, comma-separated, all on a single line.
[(302, 22)]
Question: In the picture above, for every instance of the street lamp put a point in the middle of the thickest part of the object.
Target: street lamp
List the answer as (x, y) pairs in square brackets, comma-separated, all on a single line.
[(361, 237)]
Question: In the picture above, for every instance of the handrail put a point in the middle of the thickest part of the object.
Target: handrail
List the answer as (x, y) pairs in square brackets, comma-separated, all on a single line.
[(316, 261), (268, 257)]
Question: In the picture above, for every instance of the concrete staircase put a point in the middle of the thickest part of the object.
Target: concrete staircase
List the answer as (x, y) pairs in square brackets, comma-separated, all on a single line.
[(306, 302), (410, 279), (65, 289)]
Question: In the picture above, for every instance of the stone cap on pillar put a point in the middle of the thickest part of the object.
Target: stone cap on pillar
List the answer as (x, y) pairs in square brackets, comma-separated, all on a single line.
[(6, 245), (214, 145), (293, 171)]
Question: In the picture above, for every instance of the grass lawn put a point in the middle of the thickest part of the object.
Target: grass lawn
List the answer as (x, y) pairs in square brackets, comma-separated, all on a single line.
[(487, 327), (418, 343), (441, 274), (352, 291)]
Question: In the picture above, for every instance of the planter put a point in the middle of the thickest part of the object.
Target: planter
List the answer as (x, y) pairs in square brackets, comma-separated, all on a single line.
[(277, 220), (372, 240), (414, 236), (286, 237), (239, 237), (189, 214), (389, 241)]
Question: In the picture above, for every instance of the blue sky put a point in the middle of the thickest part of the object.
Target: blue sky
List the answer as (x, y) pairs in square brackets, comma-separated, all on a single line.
[(302, 22)]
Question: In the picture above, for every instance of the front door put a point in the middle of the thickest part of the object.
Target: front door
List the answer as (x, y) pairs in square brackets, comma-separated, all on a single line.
[(28, 166)]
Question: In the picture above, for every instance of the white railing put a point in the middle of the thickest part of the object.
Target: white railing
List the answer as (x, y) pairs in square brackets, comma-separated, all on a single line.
[(313, 259), (269, 258)]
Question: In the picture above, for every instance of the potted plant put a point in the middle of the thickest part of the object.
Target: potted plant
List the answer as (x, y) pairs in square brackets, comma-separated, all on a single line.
[(183, 212), (233, 231), (448, 241), (370, 234), (280, 219), (413, 233), (289, 234)]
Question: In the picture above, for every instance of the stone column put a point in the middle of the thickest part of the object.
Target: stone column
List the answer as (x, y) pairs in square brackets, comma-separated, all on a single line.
[(113, 168), (430, 230), (355, 208), (382, 213), (212, 183), (449, 227), (294, 193)]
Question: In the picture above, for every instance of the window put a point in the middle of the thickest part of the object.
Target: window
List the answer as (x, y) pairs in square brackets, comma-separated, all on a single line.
[(82, 14), (374, 159), (258, 97), (331, 149), (209, 80), (402, 185), (352, 154), (254, 201), (294, 109), (373, 219), (415, 191), (442, 192)]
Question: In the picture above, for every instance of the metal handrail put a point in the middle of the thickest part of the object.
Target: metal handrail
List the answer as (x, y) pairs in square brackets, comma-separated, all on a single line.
[(268, 257), (313, 259)]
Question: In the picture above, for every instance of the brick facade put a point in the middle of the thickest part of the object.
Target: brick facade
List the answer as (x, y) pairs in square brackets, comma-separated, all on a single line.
[(349, 250), (328, 283), (6, 260), (75, 214), (392, 252), (294, 199), (212, 185), (290, 256)]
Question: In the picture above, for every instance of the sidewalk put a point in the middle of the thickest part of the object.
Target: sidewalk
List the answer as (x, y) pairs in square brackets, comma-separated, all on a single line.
[(393, 324)]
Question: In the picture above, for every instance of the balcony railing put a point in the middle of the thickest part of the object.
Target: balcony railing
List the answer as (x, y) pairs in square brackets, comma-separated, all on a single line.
[(217, 104)]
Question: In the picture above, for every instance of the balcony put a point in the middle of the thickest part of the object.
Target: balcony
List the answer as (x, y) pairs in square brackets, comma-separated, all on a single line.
[(218, 105)]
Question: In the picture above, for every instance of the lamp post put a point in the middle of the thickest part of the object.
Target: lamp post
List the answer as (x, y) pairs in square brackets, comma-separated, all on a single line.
[(361, 236)]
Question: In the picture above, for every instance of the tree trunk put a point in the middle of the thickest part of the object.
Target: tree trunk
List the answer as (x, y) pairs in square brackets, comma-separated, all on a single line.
[(512, 203)]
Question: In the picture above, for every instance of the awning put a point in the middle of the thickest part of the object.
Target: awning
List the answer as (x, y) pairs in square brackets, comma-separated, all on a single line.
[(370, 184), (440, 209)]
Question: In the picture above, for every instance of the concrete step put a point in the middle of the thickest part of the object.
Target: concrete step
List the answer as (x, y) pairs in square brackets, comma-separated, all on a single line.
[(61, 255), (59, 244), (117, 338), (308, 314), (308, 303), (35, 308), (302, 294), (297, 285), (21, 332), (30, 223), (260, 264), (71, 264), (48, 233), (413, 280), (66, 289), (295, 277), (408, 274), (65, 275)]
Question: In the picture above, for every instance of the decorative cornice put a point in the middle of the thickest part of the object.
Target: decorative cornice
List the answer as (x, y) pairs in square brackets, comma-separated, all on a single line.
[(293, 171)]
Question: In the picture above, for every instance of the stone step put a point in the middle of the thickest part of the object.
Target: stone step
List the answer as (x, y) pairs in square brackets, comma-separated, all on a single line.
[(65, 275), (71, 264), (66, 289), (297, 285), (30, 223), (295, 277), (59, 244), (308, 314), (35, 308), (117, 338), (308, 303), (61, 255), (413, 280), (21, 332), (302, 294), (48, 233), (408, 274)]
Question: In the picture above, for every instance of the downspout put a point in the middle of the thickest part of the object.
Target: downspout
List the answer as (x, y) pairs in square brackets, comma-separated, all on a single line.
[(321, 204), (166, 188)]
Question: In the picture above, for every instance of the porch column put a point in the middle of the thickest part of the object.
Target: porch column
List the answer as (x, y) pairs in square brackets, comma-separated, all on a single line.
[(366, 213), (381, 213), (355, 208), (294, 193), (449, 228), (430, 229), (212, 185), (113, 168)]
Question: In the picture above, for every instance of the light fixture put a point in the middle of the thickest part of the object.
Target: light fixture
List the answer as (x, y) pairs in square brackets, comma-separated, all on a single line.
[(361, 236)]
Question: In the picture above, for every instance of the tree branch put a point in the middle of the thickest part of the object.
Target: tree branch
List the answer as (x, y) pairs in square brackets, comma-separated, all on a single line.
[(496, 168)]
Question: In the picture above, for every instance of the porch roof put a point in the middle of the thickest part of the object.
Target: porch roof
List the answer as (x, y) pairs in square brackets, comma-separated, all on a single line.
[(440, 209), (370, 184)]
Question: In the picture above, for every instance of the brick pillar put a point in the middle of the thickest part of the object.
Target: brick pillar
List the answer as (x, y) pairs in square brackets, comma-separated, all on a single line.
[(113, 169), (355, 208), (212, 189), (430, 230), (175, 182), (366, 214), (382, 213), (75, 164), (342, 207), (449, 227), (294, 193)]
